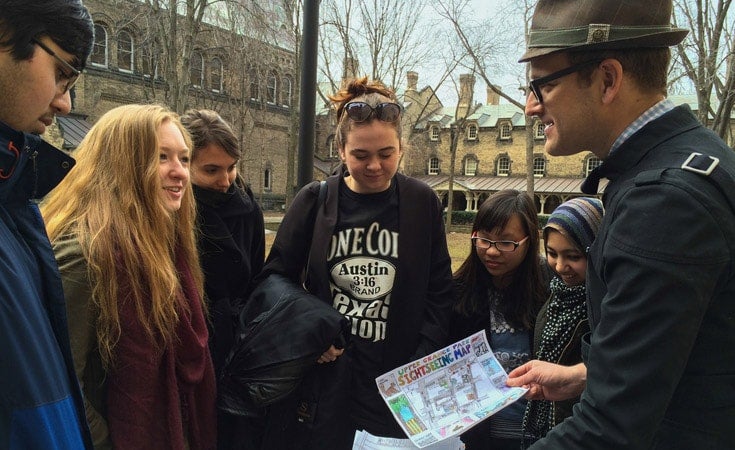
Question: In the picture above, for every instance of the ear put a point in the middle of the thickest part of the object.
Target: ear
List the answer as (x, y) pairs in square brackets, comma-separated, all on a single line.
[(611, 72)]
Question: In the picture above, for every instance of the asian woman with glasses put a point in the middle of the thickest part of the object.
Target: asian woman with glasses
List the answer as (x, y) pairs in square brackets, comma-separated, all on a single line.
[(500, 288), (378, 255)]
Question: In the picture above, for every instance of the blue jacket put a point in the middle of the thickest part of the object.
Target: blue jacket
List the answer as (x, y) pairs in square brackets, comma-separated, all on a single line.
[(40, 401)]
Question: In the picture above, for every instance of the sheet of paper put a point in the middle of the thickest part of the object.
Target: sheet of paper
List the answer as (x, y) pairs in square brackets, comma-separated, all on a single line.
[(444, 394)]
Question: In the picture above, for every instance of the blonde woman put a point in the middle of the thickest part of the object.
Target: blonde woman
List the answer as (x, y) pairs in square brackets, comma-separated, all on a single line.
[(121, 225)]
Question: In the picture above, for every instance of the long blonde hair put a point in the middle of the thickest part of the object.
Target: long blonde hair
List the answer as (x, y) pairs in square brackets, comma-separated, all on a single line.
[(111, 201)]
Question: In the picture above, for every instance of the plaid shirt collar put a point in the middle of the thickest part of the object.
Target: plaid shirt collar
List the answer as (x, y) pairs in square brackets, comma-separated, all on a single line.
[(652, 113)]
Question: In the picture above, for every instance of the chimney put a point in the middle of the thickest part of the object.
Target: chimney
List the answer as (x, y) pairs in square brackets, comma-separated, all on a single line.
[(413, 81), (492, 97), (466, 87), (349, 69)]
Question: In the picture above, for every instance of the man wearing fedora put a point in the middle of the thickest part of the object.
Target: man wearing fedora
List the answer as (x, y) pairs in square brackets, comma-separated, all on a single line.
[(660, 356)]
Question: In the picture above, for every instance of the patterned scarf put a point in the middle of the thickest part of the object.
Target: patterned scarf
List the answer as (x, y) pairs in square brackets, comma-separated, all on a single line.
[(566, 309)]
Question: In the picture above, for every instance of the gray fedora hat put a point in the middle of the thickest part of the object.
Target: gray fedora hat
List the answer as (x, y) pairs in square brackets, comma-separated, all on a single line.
[(570, 25)]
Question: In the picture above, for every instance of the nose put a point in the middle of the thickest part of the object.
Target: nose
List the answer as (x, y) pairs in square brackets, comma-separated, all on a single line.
[(533, 107), (179, 170), (223, 181), (559, 265), (62, 103)]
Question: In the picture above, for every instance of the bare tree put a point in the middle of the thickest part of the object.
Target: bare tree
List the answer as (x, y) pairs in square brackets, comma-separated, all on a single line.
[(384, 37), (174, 25), (707, 57), (482, 50)]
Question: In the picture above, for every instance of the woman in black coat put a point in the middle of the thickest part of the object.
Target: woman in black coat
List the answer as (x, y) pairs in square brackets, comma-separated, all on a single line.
[(231, 244)]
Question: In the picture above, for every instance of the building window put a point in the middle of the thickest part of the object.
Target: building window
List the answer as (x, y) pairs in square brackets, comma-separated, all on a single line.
[(215, 75), (99, 49), (472, 132), (125, 55), (148, 61), (591, 164), (254, 84), (539, 166), (196, 70), (434, 133), (470, 166), (330, 146), (268, 179), (433, 165), (272, 89), (505, 131), (286, 92), (539, 131), (503, 166)]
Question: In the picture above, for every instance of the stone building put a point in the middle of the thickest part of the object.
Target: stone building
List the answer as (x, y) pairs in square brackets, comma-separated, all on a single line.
[(249, 78)]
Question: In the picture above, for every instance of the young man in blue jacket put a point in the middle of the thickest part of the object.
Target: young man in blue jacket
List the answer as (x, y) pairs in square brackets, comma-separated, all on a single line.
[(43, 49), (660, 357)]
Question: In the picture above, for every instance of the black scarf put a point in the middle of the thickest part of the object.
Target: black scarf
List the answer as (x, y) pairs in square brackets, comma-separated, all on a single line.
[(566, 309)]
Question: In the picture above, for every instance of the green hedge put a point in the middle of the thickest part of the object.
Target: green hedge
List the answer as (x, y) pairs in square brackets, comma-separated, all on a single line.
[(467, 217)]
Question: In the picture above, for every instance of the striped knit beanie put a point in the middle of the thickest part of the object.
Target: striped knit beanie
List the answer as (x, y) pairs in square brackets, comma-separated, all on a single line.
[(578, 219)]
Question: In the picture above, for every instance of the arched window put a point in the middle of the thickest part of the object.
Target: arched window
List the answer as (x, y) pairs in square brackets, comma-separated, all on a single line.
[(503, 166), (539, 166), (433, 165), (215, 75), (272, 88), (99, 50), (472, 132), (125, 56), (470, 166), (196, 70), (268, 179), (591, 164), (254, 84), (505, 131), (286, 92), (434, 133)]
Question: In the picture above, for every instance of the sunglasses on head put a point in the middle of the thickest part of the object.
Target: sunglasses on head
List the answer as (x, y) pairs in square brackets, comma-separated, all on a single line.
[(361, 111)]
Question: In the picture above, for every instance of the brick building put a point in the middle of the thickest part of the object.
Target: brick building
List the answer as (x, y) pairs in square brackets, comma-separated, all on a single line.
[(249, 78)]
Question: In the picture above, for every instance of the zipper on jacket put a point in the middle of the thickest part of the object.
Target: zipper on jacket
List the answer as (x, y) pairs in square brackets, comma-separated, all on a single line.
[(33, 156)]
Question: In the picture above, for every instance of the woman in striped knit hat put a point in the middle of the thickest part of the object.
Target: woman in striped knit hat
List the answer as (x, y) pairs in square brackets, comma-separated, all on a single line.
[(562, 321)]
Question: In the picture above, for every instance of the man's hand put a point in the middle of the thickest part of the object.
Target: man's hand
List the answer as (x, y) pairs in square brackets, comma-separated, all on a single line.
[(549, 381)]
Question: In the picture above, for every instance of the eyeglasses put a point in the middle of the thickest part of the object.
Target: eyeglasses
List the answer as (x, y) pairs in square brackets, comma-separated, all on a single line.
[(501, 246), (535, 85), (70, 78), (361, 111)]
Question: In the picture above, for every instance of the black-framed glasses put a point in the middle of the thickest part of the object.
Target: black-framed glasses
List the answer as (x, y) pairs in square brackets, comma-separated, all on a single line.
[(361, 111), (536, 85), (70, 79), (501, 246)]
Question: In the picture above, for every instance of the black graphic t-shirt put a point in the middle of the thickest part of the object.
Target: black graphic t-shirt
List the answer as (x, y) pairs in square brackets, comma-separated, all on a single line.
[(362, 261)]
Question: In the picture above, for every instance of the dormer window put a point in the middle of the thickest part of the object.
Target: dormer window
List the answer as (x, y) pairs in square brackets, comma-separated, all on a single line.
[(434, 133), (472, 132), (505, 131), (539, 131)]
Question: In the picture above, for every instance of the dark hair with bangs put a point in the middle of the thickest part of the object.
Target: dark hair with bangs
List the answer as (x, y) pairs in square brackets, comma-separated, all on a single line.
[(526, 291)]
